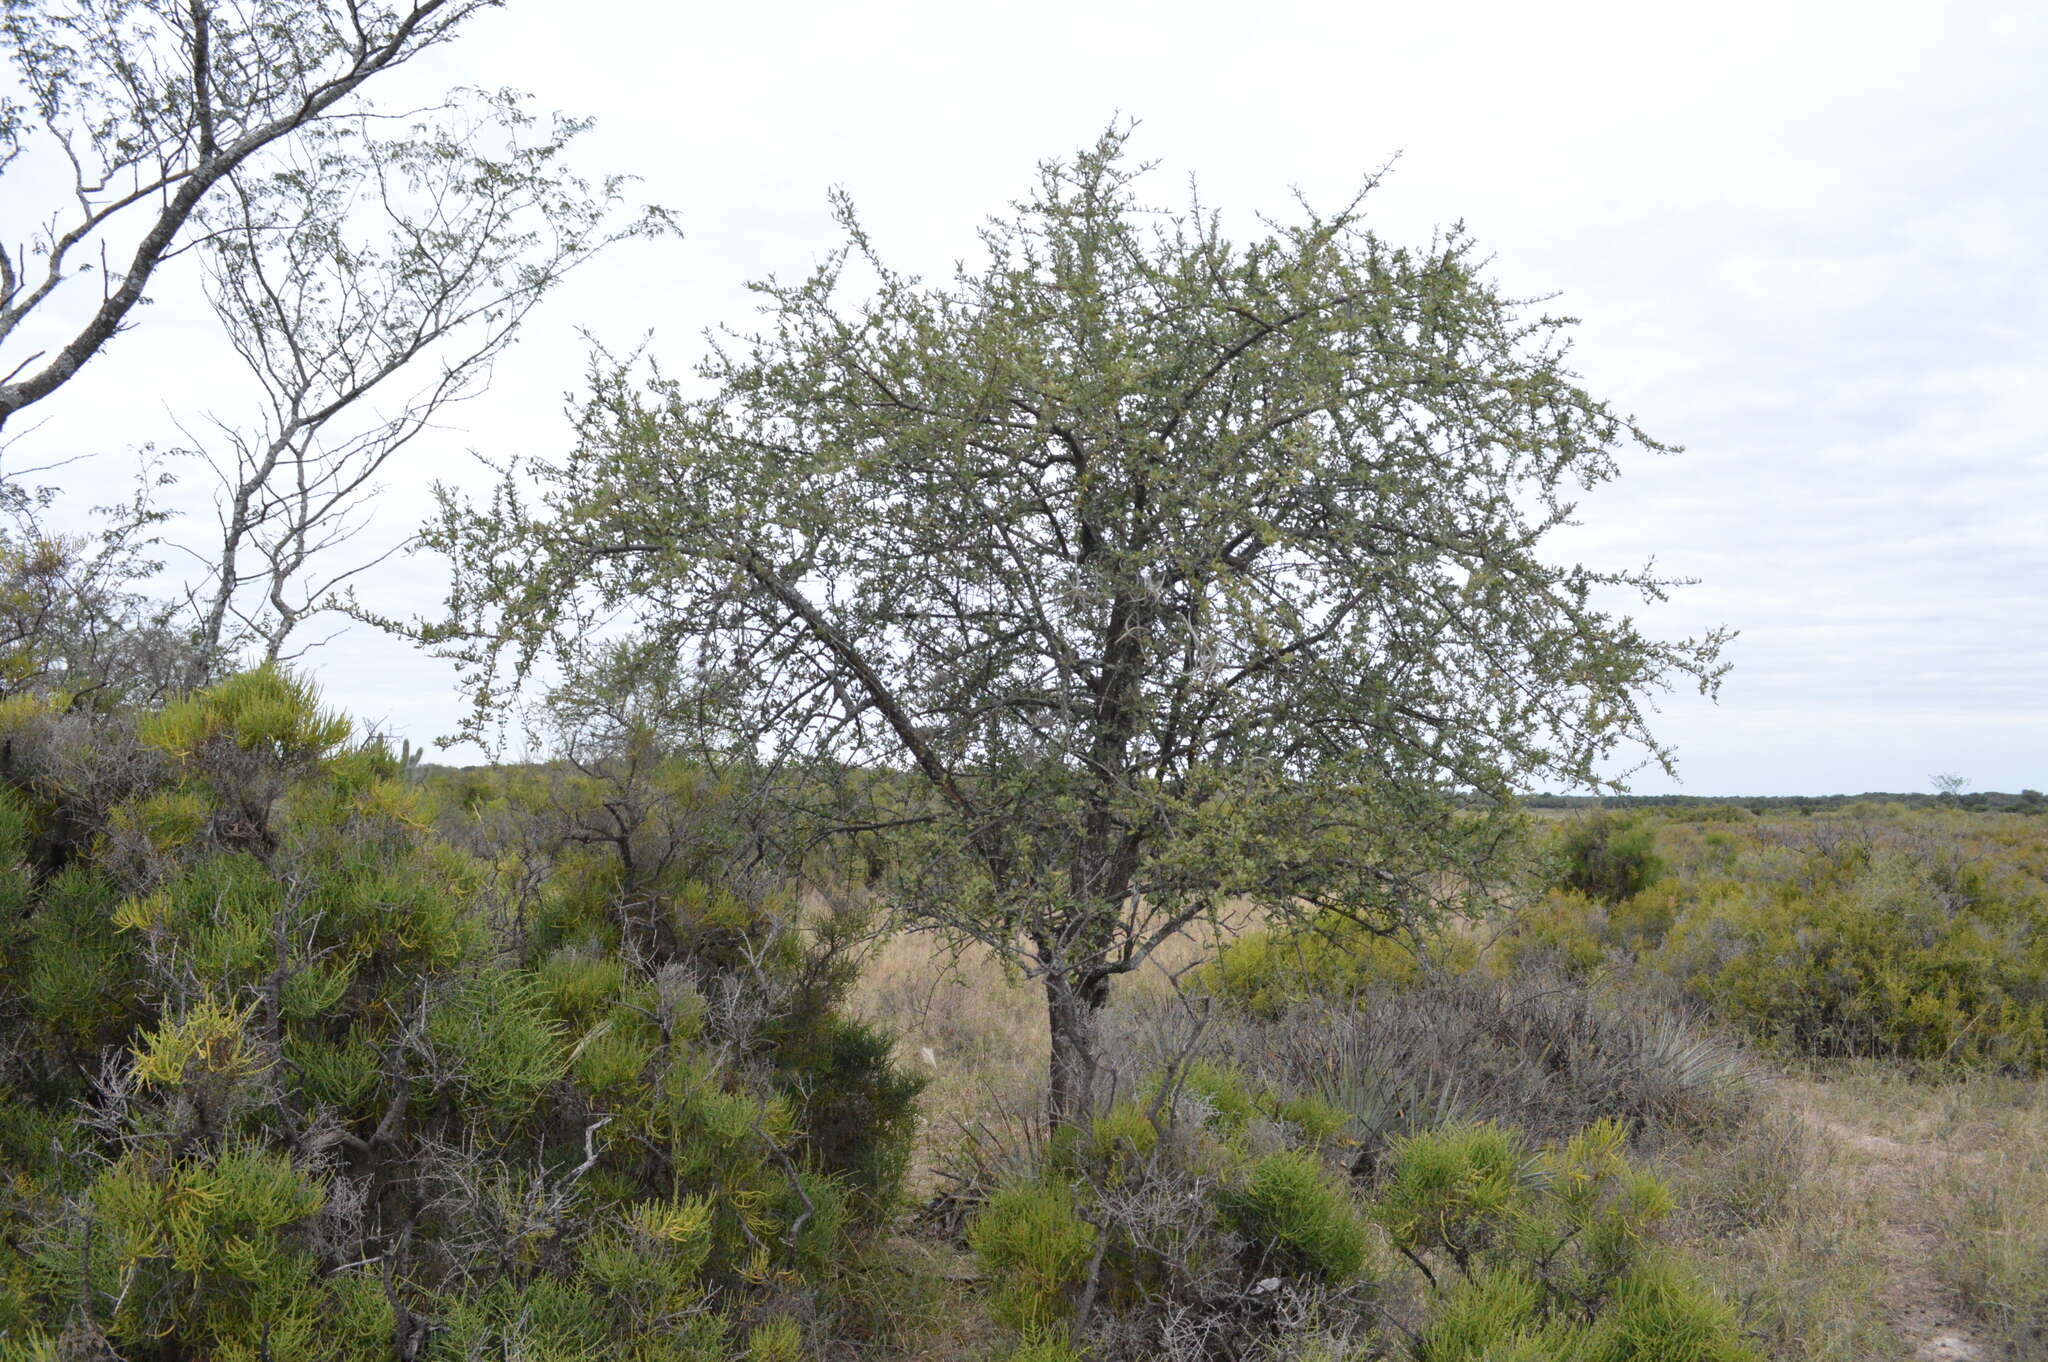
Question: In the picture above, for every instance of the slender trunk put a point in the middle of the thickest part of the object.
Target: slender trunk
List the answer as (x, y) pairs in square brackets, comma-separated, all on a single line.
[(1073, 1006)]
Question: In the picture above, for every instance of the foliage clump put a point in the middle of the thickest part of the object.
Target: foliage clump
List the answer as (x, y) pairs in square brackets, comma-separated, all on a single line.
[(1608, 857), (287, 1072), (1195, 1221), (1546, 1253), (1331, 958), (1204, 1206), (1852, 935)]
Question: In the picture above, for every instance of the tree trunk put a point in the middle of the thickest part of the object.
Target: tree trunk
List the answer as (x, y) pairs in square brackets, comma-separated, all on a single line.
[(1073, 1005)]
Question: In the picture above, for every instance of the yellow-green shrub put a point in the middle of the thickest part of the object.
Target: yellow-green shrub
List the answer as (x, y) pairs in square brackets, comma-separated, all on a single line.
[(1459, 1191), (278, 1077), (1876, 933), (1035, 1246), (1329, 957), (1296, 1222), (1887, 954), (1546, 1255)]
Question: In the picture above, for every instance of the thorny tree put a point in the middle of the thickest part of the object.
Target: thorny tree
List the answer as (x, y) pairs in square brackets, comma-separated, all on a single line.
[(153, 105), (367, 282), (1133, 572), (367, 267)]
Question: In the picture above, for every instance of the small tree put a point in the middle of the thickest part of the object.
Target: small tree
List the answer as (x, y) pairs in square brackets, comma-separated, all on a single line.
[(368, 282), (368, 269), (154, 105), (1134, 572), (71, 619)]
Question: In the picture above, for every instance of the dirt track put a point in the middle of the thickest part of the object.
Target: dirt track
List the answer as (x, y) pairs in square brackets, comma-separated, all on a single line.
[(1897, 1177)]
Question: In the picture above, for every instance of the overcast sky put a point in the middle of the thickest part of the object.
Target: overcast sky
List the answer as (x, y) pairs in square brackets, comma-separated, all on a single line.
[(1808, 241)]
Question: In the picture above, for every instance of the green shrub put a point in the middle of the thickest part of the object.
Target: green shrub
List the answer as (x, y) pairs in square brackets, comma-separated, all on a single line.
[(1660, 1313), (1608, 857), (1296, 1222), (1044, 1348), (1112, 1149), (199, 1248), (1035, 1246), (496, 1049), (1547, 1255), (1319, 1121), (779, 1340), (1490, 1316), (1888, 952), (858, 1112), (83, 975), (1201, 1205), (285, 1073), (1876, 933), (1228, 1103), (1458, 1191), (1329, 957)]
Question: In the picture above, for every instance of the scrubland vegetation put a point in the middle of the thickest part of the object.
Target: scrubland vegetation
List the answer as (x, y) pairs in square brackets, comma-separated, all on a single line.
[(312, 1051), (1869, 1186), (1028, 861), (289, 1072)]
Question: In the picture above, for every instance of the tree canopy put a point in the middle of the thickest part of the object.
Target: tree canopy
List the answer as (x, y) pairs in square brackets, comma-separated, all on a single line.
[(1152, 569)]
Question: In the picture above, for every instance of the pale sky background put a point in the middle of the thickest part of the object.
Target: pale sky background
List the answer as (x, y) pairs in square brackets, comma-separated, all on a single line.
[(1808, 241)]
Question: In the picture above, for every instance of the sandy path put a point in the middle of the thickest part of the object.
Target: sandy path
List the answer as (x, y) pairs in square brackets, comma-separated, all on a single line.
[(1897, 1176)]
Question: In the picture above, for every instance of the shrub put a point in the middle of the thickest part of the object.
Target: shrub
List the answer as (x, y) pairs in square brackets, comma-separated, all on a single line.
[(1458, 1191), (779, 1340), (1492, 1315), (1884, 949), (1194, 1218), (1330, 957), (1036, 1247), (1534, 1051), (1044, 1349), (1227, 1104), (199, 1248), (1608, 857), (1295, 1223), (1660, 1313), (1199, 1219), (1874, 933), (1656, 1314), (279, 1077), (1553, 1253), (858, 1112)]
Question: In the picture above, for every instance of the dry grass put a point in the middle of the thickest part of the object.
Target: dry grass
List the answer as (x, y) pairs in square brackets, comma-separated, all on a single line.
[(914, 1300), (978, 1032), (978, 1029), (1947, 1179), (1763, 1213), (974, 1029), (1975, 1190), (1862, 1215), (1993, 1214)]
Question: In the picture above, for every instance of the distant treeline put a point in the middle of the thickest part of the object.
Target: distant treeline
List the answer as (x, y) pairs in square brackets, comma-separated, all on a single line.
[(1988, 801), (1991, 801)]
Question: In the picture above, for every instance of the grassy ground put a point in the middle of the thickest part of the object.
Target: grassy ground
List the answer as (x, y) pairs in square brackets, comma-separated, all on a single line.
[(976, 1031), (1863, 1214), (1957, 1170), (1861, 1211)]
